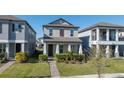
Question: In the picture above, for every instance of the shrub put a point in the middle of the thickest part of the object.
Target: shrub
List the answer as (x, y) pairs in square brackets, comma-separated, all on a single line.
[(21, 57), (43, 57), (61, 57), (78, 57), (3, 57)]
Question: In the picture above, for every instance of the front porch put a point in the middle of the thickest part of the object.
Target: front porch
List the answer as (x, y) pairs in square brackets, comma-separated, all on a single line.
[(55, 48), (110, 50), (11, 49)]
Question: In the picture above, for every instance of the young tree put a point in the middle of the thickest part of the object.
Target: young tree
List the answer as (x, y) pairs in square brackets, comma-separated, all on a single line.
[(98, 60)]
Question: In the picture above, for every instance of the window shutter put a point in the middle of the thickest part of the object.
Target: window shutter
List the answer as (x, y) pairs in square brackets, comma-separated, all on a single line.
[(13, 27)]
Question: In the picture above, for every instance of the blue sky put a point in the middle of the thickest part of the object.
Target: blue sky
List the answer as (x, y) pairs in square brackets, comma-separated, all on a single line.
[(36, 21)]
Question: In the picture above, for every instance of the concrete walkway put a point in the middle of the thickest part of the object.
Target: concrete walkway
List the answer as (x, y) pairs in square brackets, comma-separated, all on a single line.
[(53, 69), (5, 66), (113, 75)]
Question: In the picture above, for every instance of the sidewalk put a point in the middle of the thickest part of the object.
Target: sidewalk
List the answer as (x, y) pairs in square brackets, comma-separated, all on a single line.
[(53, 69), (5, 66), (114, 75)]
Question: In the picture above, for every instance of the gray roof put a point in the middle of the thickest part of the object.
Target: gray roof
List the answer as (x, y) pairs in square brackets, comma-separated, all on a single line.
[(102, 24), (62, 39), (59, 23), (14, 18), (10, 17)]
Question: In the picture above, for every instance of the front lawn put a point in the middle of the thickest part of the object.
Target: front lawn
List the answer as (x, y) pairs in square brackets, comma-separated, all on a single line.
[(27, 70), (115, 66)]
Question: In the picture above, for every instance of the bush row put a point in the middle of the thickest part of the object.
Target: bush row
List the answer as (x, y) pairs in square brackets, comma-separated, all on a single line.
[(67, 57)]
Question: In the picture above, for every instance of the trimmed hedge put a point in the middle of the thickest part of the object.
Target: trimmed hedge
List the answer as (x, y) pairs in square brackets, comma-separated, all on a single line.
[(69, 57), (43, 57), (21, 57)]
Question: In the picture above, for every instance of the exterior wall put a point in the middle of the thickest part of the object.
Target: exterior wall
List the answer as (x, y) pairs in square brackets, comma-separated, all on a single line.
[(56, 32), (85, 37), (17, 35)]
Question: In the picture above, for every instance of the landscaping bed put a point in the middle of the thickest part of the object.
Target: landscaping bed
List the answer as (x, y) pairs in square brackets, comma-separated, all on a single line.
[(27, 70), (114, 66)]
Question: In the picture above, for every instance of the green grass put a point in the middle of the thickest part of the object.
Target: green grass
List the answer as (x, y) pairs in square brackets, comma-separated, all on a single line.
[(114, 66), (27, 70)]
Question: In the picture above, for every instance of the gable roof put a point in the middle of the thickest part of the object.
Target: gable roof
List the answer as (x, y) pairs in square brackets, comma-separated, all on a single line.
[(60, 23), (102, 24)]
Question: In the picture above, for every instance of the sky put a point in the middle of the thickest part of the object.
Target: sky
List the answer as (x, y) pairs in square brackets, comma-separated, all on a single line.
[(83, 21)]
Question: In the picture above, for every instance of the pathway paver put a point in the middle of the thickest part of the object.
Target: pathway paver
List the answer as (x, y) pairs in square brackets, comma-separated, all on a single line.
[(5, 66), (53, 69)]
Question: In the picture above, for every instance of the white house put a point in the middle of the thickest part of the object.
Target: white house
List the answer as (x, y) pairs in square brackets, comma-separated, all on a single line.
[(106, 35), (61, 36)]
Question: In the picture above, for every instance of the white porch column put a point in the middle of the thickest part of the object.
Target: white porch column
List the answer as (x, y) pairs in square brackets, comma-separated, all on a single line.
[(107, 51), (80, 49), (97, 50), (97, 34), (22, 47), (57, 48), (69, 47), (107, 34), (116, 34), (116, 51), (44, 49), (7, 50)]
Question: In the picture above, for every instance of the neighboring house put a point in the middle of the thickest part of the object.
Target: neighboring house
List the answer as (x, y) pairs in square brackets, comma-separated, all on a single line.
[(104, 35), (39, 42), (61, 36), (16, 35)]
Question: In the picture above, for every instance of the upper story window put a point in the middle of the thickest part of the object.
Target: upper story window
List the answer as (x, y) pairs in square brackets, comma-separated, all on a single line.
[(50, 32), (62, 32), (16, 27), (0, 27), (72, 33)]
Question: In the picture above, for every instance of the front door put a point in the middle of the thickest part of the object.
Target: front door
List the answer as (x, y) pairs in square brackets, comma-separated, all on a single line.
[(18, 47), (50, 50)]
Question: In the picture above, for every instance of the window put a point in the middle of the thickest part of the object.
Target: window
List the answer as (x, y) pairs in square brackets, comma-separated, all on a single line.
[(72, 33), (61, 32), (0, 28), (50, 32), (16, 27), (61, 48)]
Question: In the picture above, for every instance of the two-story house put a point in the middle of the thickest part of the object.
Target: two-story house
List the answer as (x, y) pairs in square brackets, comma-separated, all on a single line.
[(104, 35), (61, 36), (16, 35)]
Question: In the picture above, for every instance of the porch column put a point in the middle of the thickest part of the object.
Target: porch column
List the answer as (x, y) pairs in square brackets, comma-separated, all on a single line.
[(116, 51), (97, 50), (97, 34), (107, 51), (69, 47), (57, 48), (7, 50), (80, 49), (44, 49), (90, 38), (116, 34), (107, 34), (22, 47)]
